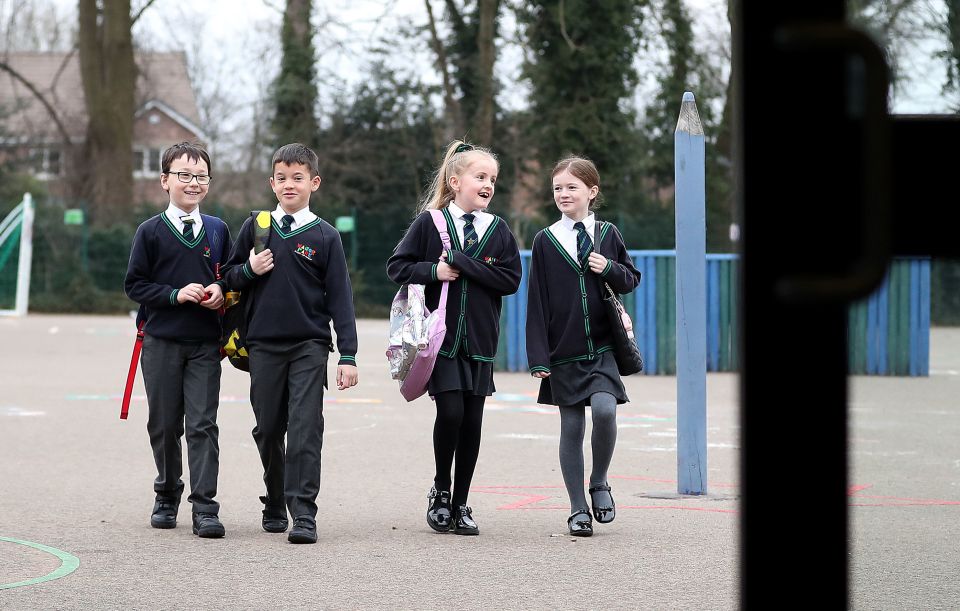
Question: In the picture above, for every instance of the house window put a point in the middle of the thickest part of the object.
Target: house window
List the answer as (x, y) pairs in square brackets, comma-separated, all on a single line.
[(146, 162)]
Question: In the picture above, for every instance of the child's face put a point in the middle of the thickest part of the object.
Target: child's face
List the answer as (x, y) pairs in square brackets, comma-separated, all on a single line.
[(474, 187), (293, 185), (185, 195), (572, 195)]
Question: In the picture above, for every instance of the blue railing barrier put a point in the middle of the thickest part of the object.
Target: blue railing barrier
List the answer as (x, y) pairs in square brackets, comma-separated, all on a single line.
[(888, 332)]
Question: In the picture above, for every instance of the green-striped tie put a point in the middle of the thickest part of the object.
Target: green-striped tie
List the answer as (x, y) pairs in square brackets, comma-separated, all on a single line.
[(187, 228), (470, 240), (584, 244)]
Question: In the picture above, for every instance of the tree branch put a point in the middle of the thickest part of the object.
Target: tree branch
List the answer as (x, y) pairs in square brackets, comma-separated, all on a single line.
[(36, 92), (140, 12), (563, 29), (449, 99)]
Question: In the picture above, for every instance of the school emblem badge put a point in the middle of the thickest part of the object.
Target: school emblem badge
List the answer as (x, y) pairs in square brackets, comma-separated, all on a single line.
[(206, 251), (305, 251)]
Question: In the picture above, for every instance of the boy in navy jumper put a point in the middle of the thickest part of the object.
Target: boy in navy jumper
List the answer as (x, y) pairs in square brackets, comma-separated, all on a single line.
[(297, 286), (171, 275)]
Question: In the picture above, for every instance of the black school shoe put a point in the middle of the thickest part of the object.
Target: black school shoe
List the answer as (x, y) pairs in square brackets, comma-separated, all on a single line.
[(604, 511), (164, 512), (304, 530), (274, 516), (463, 523), (580, 524), (207, 526), (439, 511)]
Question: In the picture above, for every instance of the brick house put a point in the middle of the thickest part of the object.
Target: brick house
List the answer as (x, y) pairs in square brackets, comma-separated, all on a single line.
[(166, 113)]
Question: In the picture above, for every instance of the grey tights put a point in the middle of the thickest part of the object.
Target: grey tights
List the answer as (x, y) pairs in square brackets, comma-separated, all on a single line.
[(603, 406)]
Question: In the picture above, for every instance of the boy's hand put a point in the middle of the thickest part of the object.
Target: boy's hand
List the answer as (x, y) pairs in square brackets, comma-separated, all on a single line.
[(541, 374), (346, 376), (261, 263), (597, 262), (213, 296), (193, 292), (445, 273)]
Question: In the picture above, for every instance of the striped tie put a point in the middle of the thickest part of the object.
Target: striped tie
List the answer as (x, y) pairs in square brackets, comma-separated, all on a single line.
[(470, 240), (286, 222), (584, 244), (187, 229)]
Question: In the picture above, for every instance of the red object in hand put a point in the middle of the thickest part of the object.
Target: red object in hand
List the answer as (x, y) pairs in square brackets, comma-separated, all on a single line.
[(207, 295)]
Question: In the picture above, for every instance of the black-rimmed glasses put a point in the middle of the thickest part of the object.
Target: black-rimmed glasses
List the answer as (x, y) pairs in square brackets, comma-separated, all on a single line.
[(202, 179)]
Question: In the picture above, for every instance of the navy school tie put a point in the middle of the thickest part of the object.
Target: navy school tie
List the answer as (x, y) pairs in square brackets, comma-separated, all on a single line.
[(584, 244), (470, 240), (286, 222), (187, 228)]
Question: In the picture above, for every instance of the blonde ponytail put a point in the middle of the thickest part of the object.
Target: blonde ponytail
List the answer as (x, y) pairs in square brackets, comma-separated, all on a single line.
[(458, 156)]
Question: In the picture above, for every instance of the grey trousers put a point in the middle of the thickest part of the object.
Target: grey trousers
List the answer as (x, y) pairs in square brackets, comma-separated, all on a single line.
[(183, 387), (287, 379)]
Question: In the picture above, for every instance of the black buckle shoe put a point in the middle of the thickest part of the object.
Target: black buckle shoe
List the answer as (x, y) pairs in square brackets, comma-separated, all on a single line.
[(580, 527), (304, 530), (164, 512), (439, 511), (463, 523), (207, 525), (604, 513), (274, 516)]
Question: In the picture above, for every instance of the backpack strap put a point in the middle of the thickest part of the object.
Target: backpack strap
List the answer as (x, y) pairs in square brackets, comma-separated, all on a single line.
[(440, 222), (218, 237)]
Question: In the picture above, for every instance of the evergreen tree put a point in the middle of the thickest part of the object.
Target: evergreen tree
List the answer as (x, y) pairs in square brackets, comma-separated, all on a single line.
[(580, 68), (295, 90)]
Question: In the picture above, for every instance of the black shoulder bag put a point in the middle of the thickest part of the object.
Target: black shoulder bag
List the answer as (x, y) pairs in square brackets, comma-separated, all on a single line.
[(625, 350)]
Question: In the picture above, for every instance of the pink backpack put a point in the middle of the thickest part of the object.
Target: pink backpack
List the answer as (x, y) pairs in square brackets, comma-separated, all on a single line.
[(416, 333)]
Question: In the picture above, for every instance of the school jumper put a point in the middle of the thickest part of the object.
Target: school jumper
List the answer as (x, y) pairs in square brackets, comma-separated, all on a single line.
[(463, 374), (568, 333), (289, 339), (181, 358)]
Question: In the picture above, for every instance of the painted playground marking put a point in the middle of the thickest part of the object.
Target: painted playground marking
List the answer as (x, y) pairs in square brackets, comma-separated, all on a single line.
[(534, 498), (537, 497), (223, 399), (13, 410), (68, 564)]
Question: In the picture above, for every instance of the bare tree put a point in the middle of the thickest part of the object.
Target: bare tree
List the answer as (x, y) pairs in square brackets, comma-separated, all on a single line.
[(109, 74)]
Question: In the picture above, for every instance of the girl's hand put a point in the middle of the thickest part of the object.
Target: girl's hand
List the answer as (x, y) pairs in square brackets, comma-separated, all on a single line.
[(597, 262), (541, 374), (445, 273)]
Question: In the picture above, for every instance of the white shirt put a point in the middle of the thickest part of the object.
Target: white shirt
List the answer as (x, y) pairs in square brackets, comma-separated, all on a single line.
[(481, 222), (567, 236), (301, 218), (176, 216)]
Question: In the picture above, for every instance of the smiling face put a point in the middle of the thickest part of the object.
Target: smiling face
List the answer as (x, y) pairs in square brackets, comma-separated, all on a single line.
[(185, 195), (474, 186), (292, 184), (572, 195)]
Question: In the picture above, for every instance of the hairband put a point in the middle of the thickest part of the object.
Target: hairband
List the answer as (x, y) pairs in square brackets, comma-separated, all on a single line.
[(463, 147)]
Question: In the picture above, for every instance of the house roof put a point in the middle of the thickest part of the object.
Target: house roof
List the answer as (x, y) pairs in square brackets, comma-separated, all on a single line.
[(163, 82)]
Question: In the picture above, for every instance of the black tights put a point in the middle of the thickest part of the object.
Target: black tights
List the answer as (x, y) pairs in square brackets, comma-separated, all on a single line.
[(456, 432)]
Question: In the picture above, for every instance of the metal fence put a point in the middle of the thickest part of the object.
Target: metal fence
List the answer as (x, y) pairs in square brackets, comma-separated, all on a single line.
[(889, 333)]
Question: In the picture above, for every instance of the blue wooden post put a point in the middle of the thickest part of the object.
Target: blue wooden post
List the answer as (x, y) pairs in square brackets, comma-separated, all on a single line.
[(689, 161)]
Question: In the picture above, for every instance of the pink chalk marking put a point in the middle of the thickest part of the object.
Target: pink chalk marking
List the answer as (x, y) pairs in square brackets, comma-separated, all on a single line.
[(526, 501), (894, 501), (663, 481)]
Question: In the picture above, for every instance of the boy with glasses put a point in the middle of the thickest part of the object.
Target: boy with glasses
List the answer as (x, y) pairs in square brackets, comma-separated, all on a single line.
[(172, 274)]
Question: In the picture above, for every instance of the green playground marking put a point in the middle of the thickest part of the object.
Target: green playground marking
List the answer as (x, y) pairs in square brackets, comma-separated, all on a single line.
[(68, 564)]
